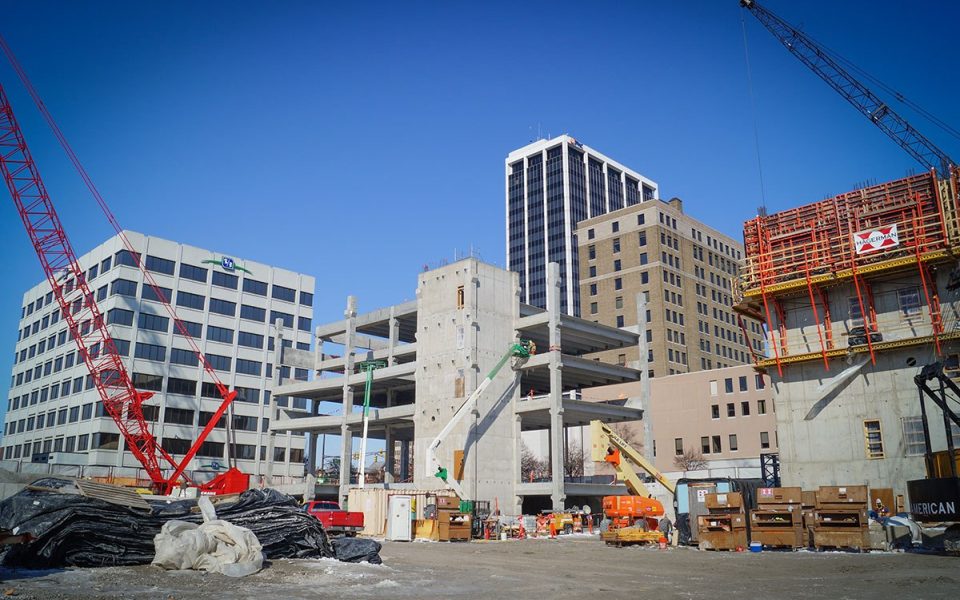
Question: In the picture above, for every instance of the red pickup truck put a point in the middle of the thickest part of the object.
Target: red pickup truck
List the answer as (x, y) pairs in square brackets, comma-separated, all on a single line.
[(334, 520)]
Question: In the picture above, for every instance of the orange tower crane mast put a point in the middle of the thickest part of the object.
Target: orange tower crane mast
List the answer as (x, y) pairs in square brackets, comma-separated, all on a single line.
[(87, 326)]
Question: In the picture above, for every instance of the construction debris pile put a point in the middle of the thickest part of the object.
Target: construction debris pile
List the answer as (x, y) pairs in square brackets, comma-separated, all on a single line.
[(69, 529)]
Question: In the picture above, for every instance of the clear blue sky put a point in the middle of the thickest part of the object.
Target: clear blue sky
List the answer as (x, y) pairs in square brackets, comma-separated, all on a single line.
[(359, 141)]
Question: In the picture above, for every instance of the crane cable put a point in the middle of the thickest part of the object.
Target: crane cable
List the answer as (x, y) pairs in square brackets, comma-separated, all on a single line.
[(753, 107), (946, 127)]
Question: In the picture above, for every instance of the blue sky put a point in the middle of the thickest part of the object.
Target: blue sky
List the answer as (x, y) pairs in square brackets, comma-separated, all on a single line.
[(359, 141)]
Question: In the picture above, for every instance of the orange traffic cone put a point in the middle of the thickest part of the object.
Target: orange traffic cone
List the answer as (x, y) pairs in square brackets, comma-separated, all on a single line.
[(590, 523), (521, 533), (553, 530)]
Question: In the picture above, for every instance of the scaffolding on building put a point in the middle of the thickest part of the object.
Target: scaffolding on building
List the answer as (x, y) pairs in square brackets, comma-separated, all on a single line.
[(907, 224)]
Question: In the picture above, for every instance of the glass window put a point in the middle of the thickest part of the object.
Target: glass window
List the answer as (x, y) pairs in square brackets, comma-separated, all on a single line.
[(122, 346), (913, 436), (593, 289), (854, 309), (124, 257), (593, 308), (194, 330), (284, 293), (731, 409), (153, 322), (616, 245), (176, 445), (185, 387), (618, 283), (143, 381), (286, 318), (223, 307), (160, 265), (591, 252), (306, 298), (250, 367), (124, 287), (743, 383), (119, 316), (716, 445), (179, 356), (193, 273), (705, 444), (255, 287), (728, 385), (732, 442), (764, 439), (150, 352), (179, 416), (149, 293), (253, 313), (225, 280), (218, 362), (219, 334), (250, 340), (745, 408), (909, 300), (188, 300), (760, 382), (761, 407), (105, 264), (715, 411)]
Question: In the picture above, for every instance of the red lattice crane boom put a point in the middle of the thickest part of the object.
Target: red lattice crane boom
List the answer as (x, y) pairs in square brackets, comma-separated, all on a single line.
[(87, 326)]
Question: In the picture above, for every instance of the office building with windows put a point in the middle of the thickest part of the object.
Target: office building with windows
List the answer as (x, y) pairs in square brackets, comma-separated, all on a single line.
[(686, 273), (551, 186), (720, 420), (228, 305)]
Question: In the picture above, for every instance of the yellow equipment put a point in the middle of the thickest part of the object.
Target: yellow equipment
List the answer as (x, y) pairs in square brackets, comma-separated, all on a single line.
[(633, 518)]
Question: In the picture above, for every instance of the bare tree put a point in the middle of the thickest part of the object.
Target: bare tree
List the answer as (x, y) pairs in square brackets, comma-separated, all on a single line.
[(690, 460), (630, 432), (574, 460), (532, 467)]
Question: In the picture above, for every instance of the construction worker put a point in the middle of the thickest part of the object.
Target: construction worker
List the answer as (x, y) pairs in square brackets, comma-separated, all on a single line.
[(665, 526)]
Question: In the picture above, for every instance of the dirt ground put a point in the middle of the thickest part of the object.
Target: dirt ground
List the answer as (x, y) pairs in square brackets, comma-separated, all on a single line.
[(572, 567)]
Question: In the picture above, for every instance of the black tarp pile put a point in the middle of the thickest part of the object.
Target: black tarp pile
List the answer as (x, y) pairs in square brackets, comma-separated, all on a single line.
[(73, 530)]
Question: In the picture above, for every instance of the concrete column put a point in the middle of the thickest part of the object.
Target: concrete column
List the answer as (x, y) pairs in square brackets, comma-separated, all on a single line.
[(389, 454), (404, 460), (272, 409), (394, 337), (346, 438), (644, 364), (312, 443), (557, 495)]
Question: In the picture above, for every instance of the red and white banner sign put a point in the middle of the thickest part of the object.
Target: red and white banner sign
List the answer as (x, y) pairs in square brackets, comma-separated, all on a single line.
[(874, 240)]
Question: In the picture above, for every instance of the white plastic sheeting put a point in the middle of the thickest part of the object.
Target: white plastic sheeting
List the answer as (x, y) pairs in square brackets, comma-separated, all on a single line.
[(215, 546)]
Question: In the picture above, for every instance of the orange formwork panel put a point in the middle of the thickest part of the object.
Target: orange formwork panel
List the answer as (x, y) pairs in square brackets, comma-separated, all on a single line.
[(914, 217)]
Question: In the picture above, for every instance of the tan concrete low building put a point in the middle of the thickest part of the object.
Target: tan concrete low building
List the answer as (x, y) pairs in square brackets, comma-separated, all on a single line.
[(726, 416)]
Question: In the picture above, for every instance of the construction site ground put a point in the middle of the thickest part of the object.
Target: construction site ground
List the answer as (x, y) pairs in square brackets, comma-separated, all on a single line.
[(573, 567)]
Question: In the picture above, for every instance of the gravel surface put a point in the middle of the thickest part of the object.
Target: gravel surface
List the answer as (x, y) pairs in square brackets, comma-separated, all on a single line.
[(571, 567)]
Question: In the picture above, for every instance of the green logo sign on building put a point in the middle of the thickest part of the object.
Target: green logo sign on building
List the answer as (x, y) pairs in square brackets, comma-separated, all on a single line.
[(228, 265)]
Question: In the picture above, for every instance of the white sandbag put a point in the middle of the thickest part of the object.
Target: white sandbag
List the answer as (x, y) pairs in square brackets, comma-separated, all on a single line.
[(215, 546)]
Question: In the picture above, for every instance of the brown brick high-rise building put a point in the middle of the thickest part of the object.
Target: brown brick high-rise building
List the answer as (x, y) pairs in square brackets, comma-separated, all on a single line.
[(686, 272)]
